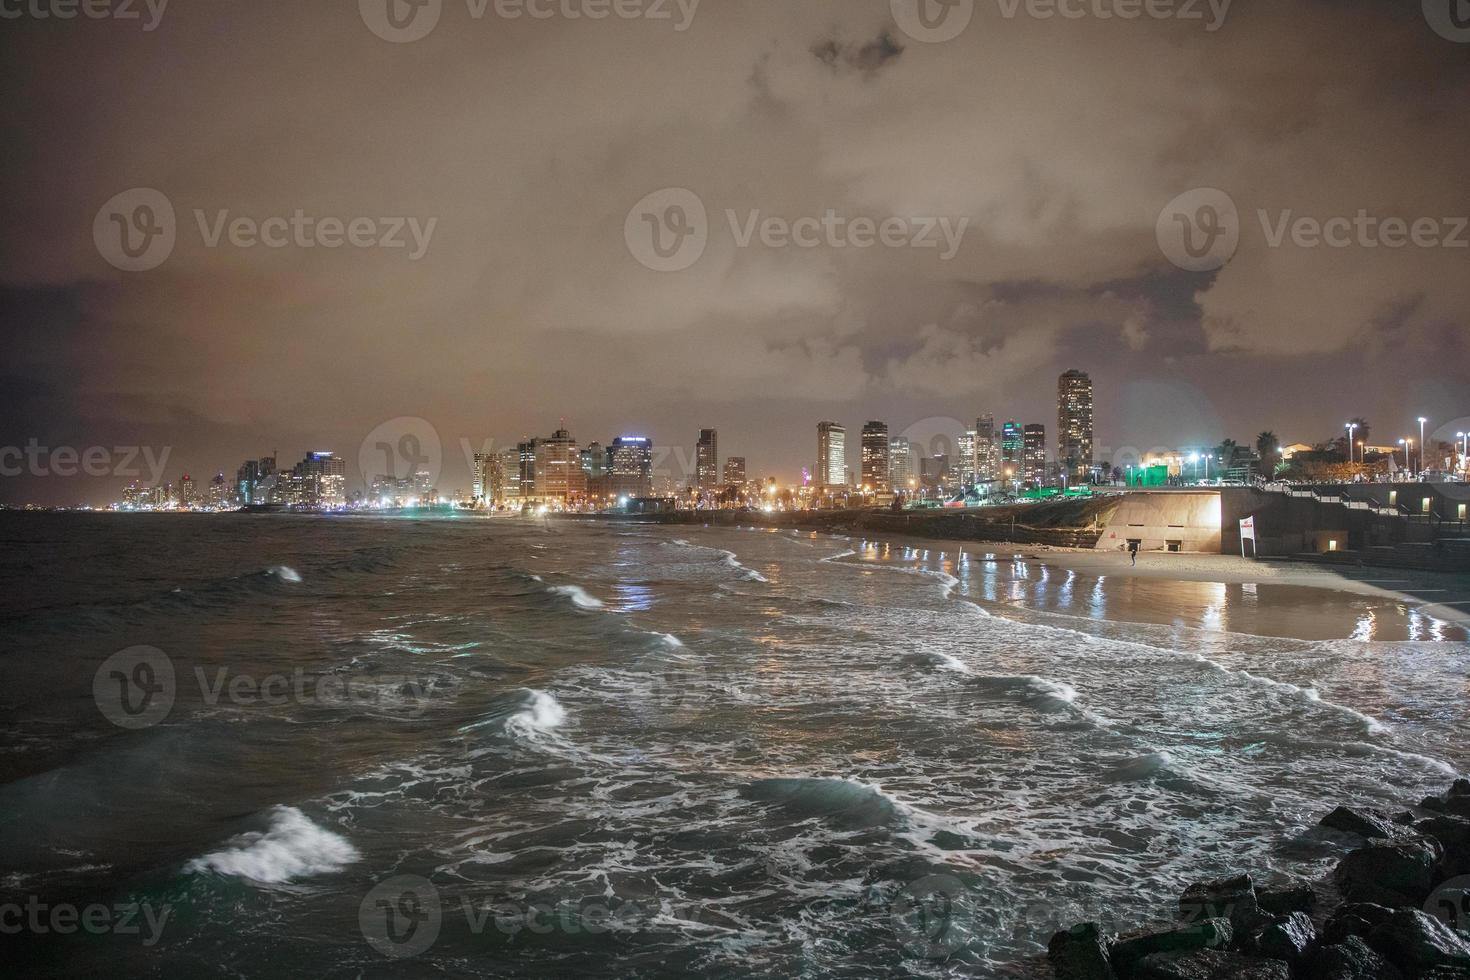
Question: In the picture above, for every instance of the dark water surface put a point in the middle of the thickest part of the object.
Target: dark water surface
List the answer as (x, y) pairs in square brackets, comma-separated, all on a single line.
[(495, 748)]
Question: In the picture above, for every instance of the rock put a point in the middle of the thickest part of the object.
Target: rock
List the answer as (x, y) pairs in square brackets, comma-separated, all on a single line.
[(1209, 965), (1416, 942), (1460, 787), (1369, 824), (1286, 900), (1390, 872), (1453, 835), (1224, 898), (1459, 805), (1355, 919), (1289, 938), (1450, 903), (1404, 818), (1080, 953), (1352, 959), (1205, 934)]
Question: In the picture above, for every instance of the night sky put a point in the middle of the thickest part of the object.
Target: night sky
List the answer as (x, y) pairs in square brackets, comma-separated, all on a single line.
[(526, 141)]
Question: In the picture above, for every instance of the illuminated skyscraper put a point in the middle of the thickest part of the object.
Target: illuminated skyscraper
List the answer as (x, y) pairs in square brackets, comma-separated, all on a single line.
[(901, 464), (964, 462), (735, 471), (831, 455), (1035, 455), (876, 475), (1074, 425), (187, 494), (707, 460), (630, 466), (987, 453), (558, 468), (1012, 451)]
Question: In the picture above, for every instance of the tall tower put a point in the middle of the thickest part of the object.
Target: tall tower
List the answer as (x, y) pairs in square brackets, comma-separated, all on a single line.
[(1035, 453), (831, 455), (1012, 450), (707, 460), (1074, 425), (877, 475)]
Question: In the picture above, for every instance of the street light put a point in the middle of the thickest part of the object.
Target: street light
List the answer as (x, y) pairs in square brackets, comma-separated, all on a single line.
[(1350, 427), (1407, 443), (1422, 420)]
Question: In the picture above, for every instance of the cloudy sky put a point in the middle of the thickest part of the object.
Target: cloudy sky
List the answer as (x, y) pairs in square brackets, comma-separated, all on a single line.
[(503, 176)]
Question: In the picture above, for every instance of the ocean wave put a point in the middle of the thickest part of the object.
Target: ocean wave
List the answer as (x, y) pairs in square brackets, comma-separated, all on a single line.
[(284, 573), (846, 801), (293, 847), (578, 595)]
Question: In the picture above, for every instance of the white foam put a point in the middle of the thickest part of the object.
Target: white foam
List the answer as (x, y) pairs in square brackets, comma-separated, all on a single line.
[(670, 640), (293, 847), (578, 595), (541, 714), (284, 572)]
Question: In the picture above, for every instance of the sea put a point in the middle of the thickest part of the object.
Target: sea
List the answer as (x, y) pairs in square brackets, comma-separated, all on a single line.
[(353, 746)]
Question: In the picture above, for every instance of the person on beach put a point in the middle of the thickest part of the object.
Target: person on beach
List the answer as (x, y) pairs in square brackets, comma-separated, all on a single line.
[(1133, 552)]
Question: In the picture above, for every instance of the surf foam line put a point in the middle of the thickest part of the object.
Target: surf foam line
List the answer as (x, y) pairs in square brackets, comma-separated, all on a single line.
[(293, 847)]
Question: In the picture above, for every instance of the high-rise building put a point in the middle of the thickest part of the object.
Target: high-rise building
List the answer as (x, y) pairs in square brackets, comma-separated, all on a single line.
[(1012, 451), (255, 481), (1074, 425), (734, 471), (489, 479), (526, 469), (558, 468), (187, 495), (510, 474), (987, 454), (876, 475), (964, 462), (319, 480), (630, 466), (220, 495), (1034, 452), (707, 460), (831, 455), (901, 474), (477, 476)]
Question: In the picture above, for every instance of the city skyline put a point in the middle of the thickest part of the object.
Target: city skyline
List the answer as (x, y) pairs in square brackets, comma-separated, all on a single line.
[(526, 303)]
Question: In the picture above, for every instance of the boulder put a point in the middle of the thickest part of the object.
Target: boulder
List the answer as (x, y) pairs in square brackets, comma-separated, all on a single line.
[(1287, 899), (1205, 934), (1450, 903), (1290, 938), (1352, 959), (1368, 824), (1231, 898), (1080, 953), (1209, 965), (1354, 919), (1453, 835), (1415, 942), (1457, 804), (1390, 872), (1460, 787)]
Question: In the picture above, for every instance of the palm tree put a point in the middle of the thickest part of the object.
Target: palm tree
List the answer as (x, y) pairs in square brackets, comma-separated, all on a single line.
[(1268, 447)]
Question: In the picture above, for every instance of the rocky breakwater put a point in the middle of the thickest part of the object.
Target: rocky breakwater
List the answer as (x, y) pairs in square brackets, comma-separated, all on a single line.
[(1397, 907)]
